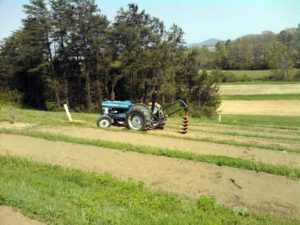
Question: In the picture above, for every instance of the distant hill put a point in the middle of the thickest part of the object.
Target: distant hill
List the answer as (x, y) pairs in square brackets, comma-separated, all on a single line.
[(209, 42)]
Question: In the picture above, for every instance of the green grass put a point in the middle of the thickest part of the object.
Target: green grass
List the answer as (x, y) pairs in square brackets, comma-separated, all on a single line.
[(254, 82), (56, 195), (239, 134), (274, 147), (255, 76), (263, 97), (46, 117), (277, 122), (85, 119), (172, 153), (250, 74)]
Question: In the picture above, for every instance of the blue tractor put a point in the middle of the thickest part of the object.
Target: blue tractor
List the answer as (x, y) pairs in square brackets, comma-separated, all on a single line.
[(138, 116)]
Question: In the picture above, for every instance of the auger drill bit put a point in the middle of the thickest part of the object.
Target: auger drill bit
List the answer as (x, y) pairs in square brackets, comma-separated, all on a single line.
[(185, 124)]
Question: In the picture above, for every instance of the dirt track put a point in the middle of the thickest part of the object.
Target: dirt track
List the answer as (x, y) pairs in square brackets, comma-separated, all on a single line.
[(10, 217), (245, 129), (257, 89), (261, 107), (267, 156), (199, 134), (231, 186)]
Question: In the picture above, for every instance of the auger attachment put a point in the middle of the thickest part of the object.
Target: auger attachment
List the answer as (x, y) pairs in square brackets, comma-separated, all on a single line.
[(185, 124)]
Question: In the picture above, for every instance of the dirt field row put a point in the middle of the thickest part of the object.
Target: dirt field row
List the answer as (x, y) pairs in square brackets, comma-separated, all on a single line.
[(267, 156), (259, 89), (261, 107), (10, 217), (242, 135), (243, 129), (294, 144), (231, 186)]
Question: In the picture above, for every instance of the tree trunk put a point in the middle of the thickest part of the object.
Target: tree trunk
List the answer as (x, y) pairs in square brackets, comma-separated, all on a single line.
[(106, 85), (88, 90), (98, 88), (57, 97), (66, 90), (112, 93)]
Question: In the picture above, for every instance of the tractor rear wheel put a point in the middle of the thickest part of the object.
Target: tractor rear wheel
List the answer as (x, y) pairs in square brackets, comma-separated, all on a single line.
[(136, 120), (104, 122)]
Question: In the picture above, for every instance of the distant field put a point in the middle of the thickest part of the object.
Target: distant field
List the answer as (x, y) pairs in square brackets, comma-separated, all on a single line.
[(251, 121), (239, 157), (255, 82), (262, 97), (253, 75), (261, 107), (260, 89)]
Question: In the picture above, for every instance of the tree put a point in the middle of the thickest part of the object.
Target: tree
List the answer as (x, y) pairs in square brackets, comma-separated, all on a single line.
[(198, 88), (27, 54), (68, 51), (286, 61)]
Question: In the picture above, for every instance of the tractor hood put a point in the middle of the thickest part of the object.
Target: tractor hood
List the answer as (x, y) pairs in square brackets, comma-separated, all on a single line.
[(117, 104)]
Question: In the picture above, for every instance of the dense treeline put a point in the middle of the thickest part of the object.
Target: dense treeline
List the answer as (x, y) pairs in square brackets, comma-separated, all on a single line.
[(68, 52), (277, 52)]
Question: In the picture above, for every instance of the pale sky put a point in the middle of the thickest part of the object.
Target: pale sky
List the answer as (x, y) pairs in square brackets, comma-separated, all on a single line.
[(200, 20)]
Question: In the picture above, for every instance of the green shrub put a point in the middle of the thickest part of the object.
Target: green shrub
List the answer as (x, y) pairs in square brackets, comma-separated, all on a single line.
[(224, 76), (52, 106), (10, 97), (245, 78), (206, 203), (297, 75), (229, 77)]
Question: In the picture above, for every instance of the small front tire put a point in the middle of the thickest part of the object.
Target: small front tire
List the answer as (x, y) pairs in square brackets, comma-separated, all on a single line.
[(104, 122)]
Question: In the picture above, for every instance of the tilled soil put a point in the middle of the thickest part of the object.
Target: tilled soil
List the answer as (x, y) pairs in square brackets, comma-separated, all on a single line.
[(243, 129), (267, 156), (258, 89), (261, 107), (256, 140), (285, 141), (233, 187), (8, 216)]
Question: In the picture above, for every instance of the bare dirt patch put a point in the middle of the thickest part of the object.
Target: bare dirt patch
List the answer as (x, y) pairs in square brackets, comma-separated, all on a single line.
[(259, 89), (227, 137), (234, 187), (17, 125), (245, 129), (261, 107), (267, 156), (9, 216)]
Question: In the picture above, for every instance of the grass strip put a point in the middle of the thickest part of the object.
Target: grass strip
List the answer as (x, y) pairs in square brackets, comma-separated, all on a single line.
[(274, 147), (238, 134), (255, 121), (263, 97), (281, 132), (172, 153), (58, 195)]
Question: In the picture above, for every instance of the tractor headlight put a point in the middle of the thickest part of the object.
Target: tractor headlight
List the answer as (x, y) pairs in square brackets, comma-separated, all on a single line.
[(104, 111)]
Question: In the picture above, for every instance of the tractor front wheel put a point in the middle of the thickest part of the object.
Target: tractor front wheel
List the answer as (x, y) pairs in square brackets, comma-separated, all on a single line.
[(135, 120), (104, 122)]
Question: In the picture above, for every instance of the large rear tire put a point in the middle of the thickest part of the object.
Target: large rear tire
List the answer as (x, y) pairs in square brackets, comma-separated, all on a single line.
[(136, 120)]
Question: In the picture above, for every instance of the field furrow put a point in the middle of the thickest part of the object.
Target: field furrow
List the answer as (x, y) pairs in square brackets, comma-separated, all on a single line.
[(8, 216), (159, 140), (231, 186), (264, 130), (202, 135)]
